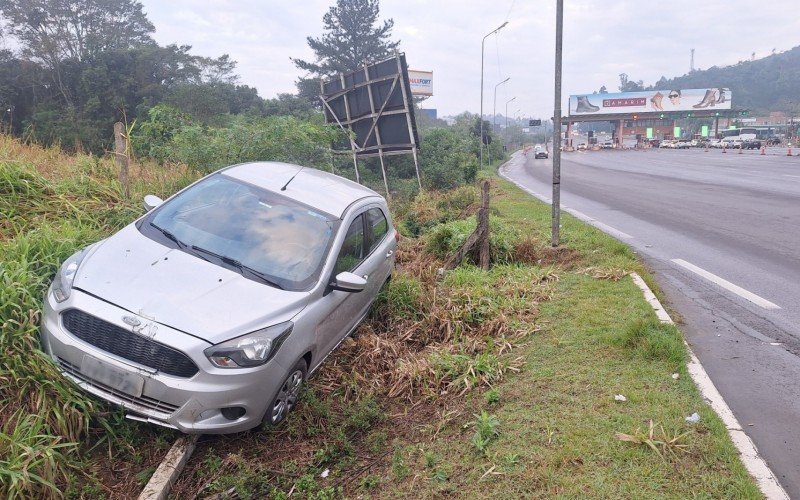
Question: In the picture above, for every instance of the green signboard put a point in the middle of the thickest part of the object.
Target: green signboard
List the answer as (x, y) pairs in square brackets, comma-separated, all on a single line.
[(704, 131), (649, 132), (676, 132), (731, 127)]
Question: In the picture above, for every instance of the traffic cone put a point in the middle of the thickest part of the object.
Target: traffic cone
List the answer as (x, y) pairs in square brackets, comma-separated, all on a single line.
[(741, 148), (763, 150), (724, 148), (790, 151)]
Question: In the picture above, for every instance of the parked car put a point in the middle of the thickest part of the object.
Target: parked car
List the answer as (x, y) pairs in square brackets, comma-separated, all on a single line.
[(773, 140), (582, 146), (668, 144), (683, 144), (209, 312), (751, 144), (607, 145)]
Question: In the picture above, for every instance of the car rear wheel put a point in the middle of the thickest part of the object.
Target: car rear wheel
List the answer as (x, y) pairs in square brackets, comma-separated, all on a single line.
[(287, 396)]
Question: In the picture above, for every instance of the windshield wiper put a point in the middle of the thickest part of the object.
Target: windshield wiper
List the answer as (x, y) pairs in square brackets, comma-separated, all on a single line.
[(170, 236), (235, 263)]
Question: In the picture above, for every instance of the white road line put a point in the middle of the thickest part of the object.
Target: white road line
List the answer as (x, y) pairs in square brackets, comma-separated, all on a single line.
[(596, 223), (741, 292), (792, 176), (578, 215), (755, 465)]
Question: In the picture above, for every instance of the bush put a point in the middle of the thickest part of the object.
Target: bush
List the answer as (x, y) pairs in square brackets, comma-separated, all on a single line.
[(444, 239), (430, 208), (170, 136)]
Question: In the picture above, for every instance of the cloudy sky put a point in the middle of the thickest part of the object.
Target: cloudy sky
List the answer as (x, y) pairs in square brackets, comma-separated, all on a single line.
[(602, 38)]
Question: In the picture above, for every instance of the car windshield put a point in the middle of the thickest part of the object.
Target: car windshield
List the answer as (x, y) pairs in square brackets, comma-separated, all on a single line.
[(262, 235)]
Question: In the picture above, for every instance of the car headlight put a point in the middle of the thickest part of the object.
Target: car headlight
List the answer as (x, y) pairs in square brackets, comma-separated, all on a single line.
[(62, 284), (253, 349)]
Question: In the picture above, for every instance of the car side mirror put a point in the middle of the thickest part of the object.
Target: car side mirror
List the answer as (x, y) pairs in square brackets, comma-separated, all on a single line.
[(349, 282), (151, 201)]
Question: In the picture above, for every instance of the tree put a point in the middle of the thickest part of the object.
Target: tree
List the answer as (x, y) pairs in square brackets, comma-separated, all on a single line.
[(603, 90), (352, 35), (626, 85), (51, 31)]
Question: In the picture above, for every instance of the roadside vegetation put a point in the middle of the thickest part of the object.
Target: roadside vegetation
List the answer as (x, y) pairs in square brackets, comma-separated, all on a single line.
[(468, 382)]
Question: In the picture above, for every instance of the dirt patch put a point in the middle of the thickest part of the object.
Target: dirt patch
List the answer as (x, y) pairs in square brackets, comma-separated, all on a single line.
[(530, 251)]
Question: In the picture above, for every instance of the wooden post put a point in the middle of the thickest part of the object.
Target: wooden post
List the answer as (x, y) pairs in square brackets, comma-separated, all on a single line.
[(477, 244), (483, 227), (120, 153)]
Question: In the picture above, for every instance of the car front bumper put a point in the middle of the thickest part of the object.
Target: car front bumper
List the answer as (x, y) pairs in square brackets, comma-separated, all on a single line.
[(191, 405)]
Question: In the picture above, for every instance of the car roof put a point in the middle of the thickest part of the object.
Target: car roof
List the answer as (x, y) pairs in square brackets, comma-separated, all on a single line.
[(322, 190)]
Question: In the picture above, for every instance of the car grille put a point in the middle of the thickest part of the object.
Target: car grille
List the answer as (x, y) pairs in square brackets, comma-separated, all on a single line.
[(142, 401), (126, 344)]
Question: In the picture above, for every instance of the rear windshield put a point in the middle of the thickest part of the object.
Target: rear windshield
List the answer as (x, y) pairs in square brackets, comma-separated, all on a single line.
[(245, 228)]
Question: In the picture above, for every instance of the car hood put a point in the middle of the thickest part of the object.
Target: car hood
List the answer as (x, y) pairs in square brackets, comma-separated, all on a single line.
[(180, 290)]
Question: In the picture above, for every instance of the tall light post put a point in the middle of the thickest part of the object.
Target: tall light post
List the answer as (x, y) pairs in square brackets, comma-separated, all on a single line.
[(556, 199), (480, 118), (494, 114), (494, 109), (508, 101)]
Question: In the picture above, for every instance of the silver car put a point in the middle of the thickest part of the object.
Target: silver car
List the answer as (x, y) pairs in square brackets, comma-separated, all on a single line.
[(208, 313)]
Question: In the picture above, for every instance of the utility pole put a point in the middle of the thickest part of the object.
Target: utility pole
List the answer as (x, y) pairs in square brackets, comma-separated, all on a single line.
[(556, 202), (691, 63), (481, 115)]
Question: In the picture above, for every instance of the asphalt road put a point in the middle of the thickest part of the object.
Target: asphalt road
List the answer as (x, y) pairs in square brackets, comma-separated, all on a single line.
[(721, 233)]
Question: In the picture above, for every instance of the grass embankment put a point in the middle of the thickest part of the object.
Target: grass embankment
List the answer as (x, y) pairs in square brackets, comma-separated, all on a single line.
[(498, 383), (54, 440)]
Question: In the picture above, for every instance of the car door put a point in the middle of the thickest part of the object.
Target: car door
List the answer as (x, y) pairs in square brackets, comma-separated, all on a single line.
[(338, 311), (381, 247)]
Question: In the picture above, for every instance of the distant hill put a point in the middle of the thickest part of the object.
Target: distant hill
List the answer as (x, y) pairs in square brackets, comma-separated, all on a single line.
[(768, 84)]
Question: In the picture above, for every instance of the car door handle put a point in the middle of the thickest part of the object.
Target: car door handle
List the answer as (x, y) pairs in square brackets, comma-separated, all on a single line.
[(389, 253)]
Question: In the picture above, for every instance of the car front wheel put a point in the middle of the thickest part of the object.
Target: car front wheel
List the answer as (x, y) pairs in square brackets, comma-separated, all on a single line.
[(287, 396)]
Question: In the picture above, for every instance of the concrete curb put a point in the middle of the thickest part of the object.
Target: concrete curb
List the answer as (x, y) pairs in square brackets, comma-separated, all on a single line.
[(167, 473), (748, 452)]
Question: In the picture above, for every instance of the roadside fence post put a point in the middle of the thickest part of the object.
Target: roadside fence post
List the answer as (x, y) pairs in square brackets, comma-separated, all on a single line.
[(121, 156)]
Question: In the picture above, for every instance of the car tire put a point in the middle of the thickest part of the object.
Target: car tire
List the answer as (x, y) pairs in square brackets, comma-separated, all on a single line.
[(287, 396)]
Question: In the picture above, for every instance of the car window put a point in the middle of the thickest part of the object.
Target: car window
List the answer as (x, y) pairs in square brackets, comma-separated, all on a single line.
[(283, 240), (378, 226), (353, 247)]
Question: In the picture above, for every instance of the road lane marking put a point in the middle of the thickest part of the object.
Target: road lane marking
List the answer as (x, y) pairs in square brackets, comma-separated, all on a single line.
[(793, 176), (596, 223), (752, 460), (741, 292), (575, 213)]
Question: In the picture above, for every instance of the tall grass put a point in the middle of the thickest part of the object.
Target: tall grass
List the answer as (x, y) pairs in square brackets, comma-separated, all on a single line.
[(50, 206)]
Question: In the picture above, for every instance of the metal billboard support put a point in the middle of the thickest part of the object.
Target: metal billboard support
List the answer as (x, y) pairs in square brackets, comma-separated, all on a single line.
[(408, 117), (374, 125), (357, 114)]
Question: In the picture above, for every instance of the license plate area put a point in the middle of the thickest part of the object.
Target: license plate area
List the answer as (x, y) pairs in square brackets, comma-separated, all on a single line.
[(115, 378)]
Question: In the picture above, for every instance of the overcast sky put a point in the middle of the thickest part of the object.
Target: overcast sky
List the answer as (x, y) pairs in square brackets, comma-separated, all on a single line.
[(601, 40)]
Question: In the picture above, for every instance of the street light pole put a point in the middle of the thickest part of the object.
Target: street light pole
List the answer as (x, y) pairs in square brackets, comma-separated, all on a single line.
[(494, 113), (505, 132), (480, 118), (556, 199)]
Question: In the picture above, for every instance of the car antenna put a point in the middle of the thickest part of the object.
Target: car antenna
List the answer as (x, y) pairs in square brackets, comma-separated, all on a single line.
[(290, 180)]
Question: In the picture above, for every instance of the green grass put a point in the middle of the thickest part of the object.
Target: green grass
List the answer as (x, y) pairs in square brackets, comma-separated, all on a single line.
[(555, 423), (51, 432)]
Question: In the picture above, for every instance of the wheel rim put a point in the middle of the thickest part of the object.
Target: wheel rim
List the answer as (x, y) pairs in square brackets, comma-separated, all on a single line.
[(287, 396)]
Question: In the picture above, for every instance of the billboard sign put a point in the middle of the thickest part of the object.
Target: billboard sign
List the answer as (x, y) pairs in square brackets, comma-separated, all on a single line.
[(421, 82), (650, 101)]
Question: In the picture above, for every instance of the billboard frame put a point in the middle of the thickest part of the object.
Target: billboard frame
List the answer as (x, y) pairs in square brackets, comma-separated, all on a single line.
[(347, 121)]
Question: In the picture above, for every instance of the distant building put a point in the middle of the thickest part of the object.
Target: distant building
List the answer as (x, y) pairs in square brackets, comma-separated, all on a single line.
[(430, 113)]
